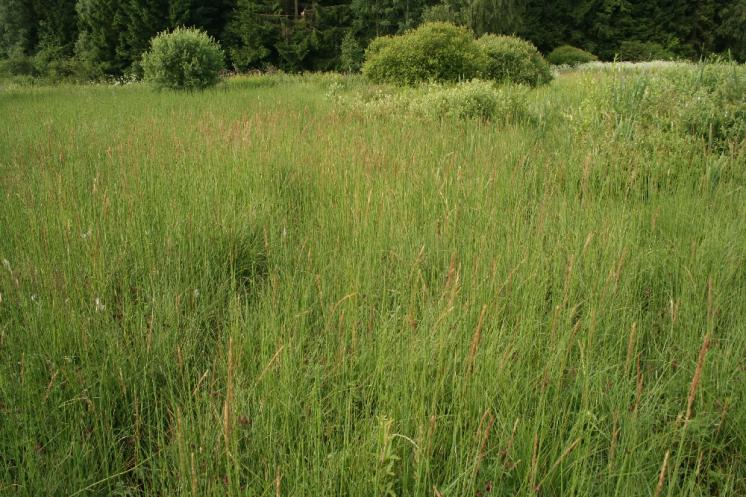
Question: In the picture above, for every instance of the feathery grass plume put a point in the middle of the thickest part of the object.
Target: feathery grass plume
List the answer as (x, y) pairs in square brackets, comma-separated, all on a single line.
[(631, 344), (568, 450), (696, 378), (483, 436), (662, 475), (475, 340), (278, 482), (195, 486), (228, 402), (615, 429), (534, 465)]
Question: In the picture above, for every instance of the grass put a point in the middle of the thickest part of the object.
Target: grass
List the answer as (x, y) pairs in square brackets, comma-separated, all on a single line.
[(264, 290)]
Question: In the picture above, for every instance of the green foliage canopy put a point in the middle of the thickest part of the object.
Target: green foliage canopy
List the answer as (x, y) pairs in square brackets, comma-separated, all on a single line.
[(183, 59), (436, 51), (569, 55), (511, 59)]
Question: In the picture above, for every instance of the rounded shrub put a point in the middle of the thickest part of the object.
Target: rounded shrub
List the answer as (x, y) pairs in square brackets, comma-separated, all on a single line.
[(183, 59), (511, 59), (643, 51), (569, 56), (436, 51)]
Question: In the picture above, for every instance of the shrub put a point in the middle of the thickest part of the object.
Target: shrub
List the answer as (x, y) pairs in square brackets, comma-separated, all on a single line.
[(513, 60), (570, 56), (717, 121), (377, 45), (185, 58), (472, 100), (52, 64), (17, 63), (435, 51), (351, 56), (639, 51), (716, 107), (475, 99)]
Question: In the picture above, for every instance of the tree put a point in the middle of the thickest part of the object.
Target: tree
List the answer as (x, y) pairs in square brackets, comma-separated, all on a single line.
[(252, 33), (99, 42), (330, 21), (481, 16), (17, 27), (56, 25), (730, 34), (351, 56), (492, 16), (386, 17)]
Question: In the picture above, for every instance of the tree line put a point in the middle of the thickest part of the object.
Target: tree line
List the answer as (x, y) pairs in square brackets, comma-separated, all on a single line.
[(108, 37)]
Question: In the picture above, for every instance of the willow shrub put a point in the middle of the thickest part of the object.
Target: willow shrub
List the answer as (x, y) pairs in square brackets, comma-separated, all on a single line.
[(570, 56), (513, 60), (435, 52), (183, 59)]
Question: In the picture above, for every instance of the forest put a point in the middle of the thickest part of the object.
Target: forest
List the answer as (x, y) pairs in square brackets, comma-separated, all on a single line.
[(96, 39)]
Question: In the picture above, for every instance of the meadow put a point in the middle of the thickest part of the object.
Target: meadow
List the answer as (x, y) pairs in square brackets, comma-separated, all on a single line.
[(297, 286)]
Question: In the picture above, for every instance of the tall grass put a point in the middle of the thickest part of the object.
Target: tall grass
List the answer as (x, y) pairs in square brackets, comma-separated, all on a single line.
[(256, 291)]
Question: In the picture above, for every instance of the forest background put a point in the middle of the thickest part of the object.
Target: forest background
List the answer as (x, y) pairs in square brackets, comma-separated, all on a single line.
[(95, 39)]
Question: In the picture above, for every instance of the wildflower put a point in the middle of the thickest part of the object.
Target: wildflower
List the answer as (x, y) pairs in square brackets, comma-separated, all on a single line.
[(34, 297), (196, 293), (6, 265), (100, 307), (87, 234)]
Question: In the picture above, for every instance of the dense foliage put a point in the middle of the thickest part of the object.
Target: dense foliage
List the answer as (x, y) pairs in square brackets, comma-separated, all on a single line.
[(511, 59), (183, 59), (569, 55), (475, 99), (639, 51), (436, 51), (98, 38)]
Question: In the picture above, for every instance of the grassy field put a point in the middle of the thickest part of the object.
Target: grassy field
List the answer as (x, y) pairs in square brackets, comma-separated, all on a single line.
[(283, 287)]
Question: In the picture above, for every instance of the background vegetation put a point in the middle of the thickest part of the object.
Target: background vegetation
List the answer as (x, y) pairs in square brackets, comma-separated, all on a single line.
[(93, 39), (306, 285)]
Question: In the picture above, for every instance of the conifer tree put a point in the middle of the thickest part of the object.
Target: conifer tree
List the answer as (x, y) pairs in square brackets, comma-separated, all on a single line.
[(252, 33)]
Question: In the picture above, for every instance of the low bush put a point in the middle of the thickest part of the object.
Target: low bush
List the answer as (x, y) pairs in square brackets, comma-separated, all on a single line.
[(185, 59), (472, 100), (436, 51), (475, 99), (704, 101), (716, 108), (513, 60), (717, 121), (570, 56), (640, 51), (17, 64)]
